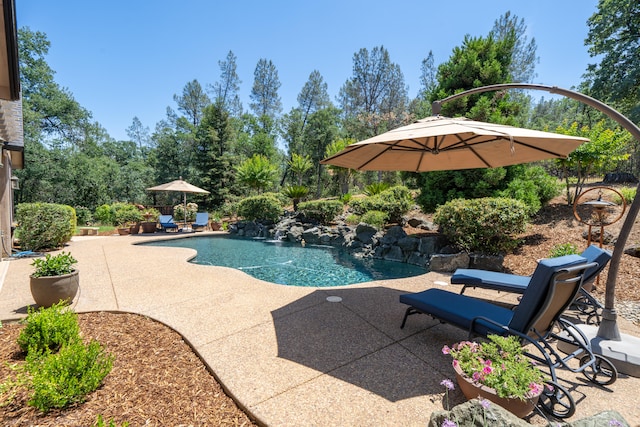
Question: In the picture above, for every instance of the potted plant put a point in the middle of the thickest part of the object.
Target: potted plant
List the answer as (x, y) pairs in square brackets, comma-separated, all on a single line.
[(127, 219), (498, 371), (55, 279), (150, 222), (216, 223)]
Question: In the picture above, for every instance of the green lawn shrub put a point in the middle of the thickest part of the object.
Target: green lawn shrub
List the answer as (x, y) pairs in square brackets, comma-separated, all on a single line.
[(48, 329), (535, 188), (487, 225), (105, 214), (563, 249), (66, 377), (83, 215), (395, 202), (321, 210), (263, 207), (629, 193), (44, 225), (375, 218), (59, 369)]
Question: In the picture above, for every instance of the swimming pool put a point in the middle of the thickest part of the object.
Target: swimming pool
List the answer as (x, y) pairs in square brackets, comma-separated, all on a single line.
[(291, 264)]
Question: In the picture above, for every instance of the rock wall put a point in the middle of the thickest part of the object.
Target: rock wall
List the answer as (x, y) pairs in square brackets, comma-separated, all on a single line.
[(363, 240)]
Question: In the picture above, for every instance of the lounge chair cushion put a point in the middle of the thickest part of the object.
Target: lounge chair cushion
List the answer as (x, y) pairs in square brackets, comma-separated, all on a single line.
[(518, 284), (491, 279), (535, 294), (458, 310)]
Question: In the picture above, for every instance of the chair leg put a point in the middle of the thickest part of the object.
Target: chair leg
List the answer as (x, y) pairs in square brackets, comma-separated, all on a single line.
[(407, 313)]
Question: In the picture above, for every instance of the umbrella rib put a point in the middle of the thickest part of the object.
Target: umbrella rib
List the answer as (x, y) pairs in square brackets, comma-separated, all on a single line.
[(389, 147)]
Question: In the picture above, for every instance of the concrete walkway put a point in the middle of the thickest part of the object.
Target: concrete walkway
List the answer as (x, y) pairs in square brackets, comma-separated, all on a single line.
[(286, 354)]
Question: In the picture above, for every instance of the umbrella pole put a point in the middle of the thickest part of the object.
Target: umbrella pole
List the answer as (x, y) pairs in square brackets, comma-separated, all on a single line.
[(185, 208)]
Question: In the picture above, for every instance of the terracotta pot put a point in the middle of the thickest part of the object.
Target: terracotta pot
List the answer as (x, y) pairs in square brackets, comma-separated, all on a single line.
[(215, 226), (49, 290), (135, 228), (124, 231), (148, 226), (519, 408)]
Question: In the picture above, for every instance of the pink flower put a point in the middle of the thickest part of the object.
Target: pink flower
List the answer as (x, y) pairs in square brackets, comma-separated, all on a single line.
[(487, 370), (446, 349), (455, 363), (476, 376), (535, 389), (487, 363)]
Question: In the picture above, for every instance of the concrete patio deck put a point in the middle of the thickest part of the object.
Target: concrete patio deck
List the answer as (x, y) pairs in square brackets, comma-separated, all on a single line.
[(286, 354)]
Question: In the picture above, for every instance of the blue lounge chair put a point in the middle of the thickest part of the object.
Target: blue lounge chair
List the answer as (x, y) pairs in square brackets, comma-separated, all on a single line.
[(201, 221), (551, 289), (514, 283), (167, 223)]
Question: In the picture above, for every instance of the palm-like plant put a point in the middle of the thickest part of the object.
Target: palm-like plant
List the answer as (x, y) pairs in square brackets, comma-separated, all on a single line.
[(295, 193), (299, 165), (376, 188), (257, 172)]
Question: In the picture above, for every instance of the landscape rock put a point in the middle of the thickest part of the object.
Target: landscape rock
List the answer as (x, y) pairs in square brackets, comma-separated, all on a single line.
[(473, 414), (448, 263), (486, 262), (634, 251)]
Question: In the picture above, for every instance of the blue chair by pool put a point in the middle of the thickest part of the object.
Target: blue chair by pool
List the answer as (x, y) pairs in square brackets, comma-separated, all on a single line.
[(514, 283), (201, 221), (552, 288), (167, 223)]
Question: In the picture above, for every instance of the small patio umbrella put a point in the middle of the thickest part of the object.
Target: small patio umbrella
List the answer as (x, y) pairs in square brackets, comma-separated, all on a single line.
[(442, 143), (179, 185)]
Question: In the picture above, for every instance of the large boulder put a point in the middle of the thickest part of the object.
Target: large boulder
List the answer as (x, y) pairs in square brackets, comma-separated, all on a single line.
[(447, 263)]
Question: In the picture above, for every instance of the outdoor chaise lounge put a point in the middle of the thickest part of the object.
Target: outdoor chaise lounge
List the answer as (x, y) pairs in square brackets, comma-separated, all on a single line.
[(551, 289), (167, 223), (201, 221), (514, 283)]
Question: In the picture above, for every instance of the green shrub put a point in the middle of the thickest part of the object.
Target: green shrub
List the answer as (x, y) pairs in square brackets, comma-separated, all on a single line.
[(322, 210), (563, 249), (395, 202), (48, 329), (352, 219), (178, 212), (535, 188), (487, 225), (64, 378), (376, 188), (346, 198), (44, 225), (83, 215), (105, 215), (375, 218), (263, 207), (100, 422), (281, 198), (125, 214), (627, 192)]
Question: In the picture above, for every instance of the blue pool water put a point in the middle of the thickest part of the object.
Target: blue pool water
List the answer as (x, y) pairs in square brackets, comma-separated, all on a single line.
[(291, 264)]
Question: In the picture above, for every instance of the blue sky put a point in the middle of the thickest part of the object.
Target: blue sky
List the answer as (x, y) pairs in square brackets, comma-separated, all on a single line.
[(122, 59)]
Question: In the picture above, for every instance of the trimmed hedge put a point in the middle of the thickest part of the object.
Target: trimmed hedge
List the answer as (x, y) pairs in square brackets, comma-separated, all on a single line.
[(264, 207), (322, 210), (486, 225), (395, 202), (44, 225)]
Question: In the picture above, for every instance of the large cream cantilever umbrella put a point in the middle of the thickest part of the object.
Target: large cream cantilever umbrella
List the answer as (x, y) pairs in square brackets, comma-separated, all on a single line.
[(442, 143), (179, 185)]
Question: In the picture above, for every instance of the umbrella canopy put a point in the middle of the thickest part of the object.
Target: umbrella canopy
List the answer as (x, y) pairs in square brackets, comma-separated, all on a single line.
[(178, 185), (181, 186), (442, 143)]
